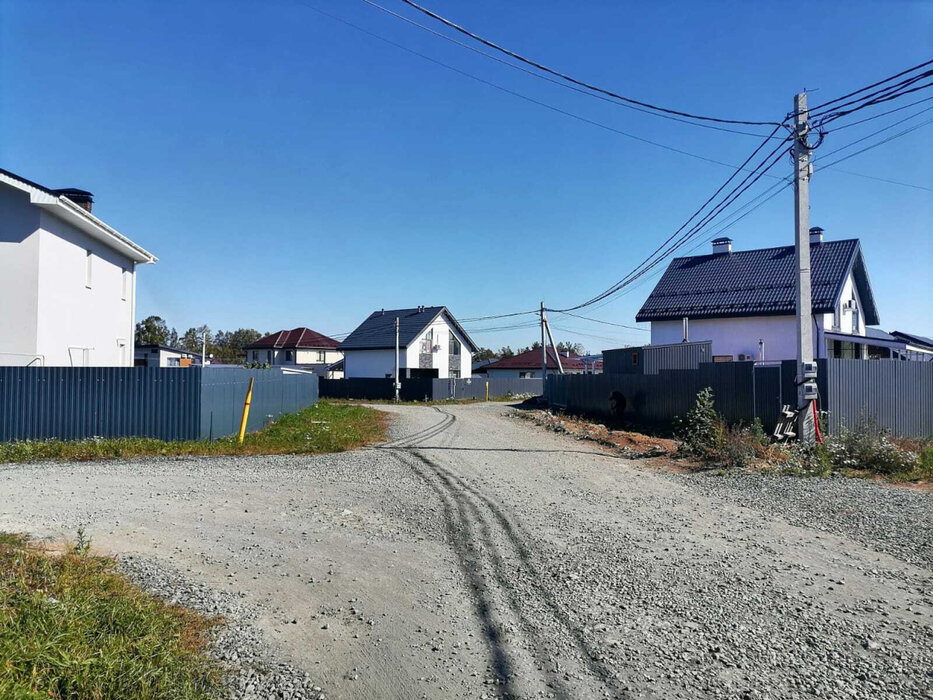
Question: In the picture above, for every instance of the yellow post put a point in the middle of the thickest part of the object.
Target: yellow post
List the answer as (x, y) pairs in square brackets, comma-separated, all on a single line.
[(249, 398), (487, 390)]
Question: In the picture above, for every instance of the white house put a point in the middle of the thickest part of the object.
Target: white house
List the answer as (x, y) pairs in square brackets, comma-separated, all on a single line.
[(165, 356), (431, 344), (527, 365), (299, 347), (67, 280), (744, 302)]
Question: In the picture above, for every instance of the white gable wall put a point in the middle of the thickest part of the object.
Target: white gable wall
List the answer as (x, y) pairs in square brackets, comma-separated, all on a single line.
[(439, 359), (80, 325), (370, 363)]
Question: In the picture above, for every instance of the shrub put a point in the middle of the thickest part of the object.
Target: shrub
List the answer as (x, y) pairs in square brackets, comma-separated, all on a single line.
[(701, 430), (869, 449)]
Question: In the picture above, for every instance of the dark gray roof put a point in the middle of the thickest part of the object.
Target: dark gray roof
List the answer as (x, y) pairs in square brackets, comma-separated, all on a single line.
[(913, 338), (878, 334), (378, 331), (757, 283)]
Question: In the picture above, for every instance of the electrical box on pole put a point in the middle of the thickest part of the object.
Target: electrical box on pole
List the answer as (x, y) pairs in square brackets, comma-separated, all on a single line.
[(806, 367)]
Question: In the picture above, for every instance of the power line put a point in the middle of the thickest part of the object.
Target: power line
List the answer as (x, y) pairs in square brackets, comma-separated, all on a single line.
[(553, 81), (581, 83), (873, 85), (596, 320), (883, 114), (521, 96), (875, 145)]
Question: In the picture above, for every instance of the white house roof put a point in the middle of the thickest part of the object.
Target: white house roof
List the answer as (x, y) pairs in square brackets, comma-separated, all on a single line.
[(61, 206)]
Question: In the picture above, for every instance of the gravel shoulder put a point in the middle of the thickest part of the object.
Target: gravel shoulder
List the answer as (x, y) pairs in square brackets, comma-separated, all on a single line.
[(478, 555)]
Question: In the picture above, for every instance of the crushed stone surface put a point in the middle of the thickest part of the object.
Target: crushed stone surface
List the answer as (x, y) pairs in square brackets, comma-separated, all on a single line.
[(475, 555)]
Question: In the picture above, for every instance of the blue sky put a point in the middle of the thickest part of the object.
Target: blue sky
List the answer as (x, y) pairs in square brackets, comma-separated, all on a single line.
[(289, 170)]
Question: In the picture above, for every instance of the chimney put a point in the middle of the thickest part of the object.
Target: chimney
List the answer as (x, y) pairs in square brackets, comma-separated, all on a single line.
[(722, 245), (82, 198), (816, 235)]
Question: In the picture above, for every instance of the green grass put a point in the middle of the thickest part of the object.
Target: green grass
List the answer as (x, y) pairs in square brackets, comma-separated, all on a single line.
[(72, 627), (324, 427)]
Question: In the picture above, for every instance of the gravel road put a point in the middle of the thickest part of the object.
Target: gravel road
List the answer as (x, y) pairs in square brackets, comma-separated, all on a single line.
[(476, 556)]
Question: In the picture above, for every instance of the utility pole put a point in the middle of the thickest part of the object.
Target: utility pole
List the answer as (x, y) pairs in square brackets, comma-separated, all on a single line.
[(543, 350), (203, 347), (397, 384), (547, 326), (806, 368)]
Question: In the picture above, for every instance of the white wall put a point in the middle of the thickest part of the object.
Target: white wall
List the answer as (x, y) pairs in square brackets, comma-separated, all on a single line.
[(299, 357), (71, 315), (45, 305), (734, 336), (310, 357), (849, 291), (439, 359), (19, 277), (370, 363)]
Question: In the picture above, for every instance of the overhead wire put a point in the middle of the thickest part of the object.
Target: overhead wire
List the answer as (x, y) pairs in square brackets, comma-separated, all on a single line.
[(553, 81), (575, 81)]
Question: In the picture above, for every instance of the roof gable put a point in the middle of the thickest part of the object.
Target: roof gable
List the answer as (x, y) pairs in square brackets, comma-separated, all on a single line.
[(377, 332), (757, 283), (294, 339), (58, 203)]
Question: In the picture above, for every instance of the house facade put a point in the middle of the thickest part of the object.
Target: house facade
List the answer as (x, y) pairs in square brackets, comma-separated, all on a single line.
[(743, 302), (299, 347), (67, 280), (165, 356), (527, 365), (430, 340)]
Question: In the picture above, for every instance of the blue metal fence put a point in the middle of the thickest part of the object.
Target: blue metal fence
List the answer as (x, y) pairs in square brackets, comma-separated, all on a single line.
[(72, 403), (275, 392)]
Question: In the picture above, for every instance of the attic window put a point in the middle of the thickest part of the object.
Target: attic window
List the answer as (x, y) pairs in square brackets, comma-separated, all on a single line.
[(454, 345)]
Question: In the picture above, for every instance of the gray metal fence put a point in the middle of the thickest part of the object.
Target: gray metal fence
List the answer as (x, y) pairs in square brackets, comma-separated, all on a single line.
[(897, 396), (275, 392), (72, 403), (429, 389)]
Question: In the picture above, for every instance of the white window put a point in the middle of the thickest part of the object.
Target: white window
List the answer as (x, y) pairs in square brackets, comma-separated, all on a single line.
[(89, 269), (855, 320), (126, 284), (427, 343)]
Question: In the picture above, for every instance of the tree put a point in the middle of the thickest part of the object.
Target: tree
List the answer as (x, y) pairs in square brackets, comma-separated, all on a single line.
[(571, 348), (506, 352), (194, 337), (534, 346), (228, 347), (483, 354), (153, 330)]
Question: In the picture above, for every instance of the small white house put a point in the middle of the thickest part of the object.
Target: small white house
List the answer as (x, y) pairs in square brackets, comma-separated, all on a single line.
[(744, 302), (67, 280), (165, 356), (430, 340), (299, 347)]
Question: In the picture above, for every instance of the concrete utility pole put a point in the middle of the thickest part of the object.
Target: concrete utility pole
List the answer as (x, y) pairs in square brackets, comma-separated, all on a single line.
[(806, 368), (543, 350), (396, 360), (560, 366)]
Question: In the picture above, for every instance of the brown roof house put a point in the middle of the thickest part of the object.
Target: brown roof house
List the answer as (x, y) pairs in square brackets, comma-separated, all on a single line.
[(528, 365), (301, 348)]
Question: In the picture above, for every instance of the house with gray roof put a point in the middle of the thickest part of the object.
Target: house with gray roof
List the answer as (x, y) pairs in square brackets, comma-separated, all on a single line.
[(431, 343), (744, 302)]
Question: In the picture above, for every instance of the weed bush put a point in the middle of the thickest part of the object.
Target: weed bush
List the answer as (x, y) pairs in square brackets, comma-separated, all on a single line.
[(701, 431)]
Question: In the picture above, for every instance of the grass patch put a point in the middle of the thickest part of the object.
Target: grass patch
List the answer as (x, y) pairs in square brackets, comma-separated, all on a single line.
[(72, 627), (324, 427)]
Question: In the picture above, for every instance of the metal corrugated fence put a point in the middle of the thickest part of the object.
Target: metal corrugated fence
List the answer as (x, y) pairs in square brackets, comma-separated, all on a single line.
[(429, 389), (71, 403), (894, 395), (275, 392), (169, 403), (897, 396)]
